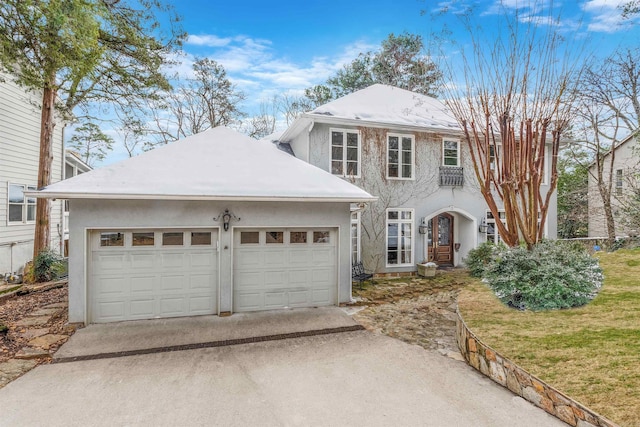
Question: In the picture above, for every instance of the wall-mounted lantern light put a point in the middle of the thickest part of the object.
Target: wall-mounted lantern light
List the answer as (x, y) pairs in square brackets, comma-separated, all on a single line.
[(226, 217), (456, 246), (423, 228), (483, 226)]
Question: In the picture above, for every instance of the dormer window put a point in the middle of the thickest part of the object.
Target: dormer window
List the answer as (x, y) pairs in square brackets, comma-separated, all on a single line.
[(345, 152)]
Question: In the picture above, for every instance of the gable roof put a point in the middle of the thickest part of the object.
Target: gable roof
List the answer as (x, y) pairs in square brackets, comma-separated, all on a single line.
[(381, 106), (218, 164)]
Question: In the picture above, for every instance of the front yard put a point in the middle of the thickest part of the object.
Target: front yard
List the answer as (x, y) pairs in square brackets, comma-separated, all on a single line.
[(590, 353)]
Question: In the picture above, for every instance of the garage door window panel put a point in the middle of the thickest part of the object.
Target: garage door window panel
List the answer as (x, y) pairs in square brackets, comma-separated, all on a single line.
[(143, 239), (321, 237), (275, 237), (172, 239), (298, 237), (200, 238), (249, 237), (111, 238)]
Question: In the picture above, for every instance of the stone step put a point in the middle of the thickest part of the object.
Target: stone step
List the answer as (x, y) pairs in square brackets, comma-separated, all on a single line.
[(29, 353)]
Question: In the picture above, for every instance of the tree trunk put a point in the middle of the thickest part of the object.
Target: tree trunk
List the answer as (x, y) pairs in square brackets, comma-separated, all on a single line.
[(42, 234)]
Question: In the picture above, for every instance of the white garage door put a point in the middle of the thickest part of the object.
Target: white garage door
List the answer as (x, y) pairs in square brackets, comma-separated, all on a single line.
[(277, 268), (146, 274)]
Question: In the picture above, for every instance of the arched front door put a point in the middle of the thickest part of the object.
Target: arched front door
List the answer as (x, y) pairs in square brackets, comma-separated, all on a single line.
[(440, 239)]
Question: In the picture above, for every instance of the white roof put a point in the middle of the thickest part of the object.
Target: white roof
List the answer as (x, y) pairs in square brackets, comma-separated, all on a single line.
[(218, 164), (390, 105)]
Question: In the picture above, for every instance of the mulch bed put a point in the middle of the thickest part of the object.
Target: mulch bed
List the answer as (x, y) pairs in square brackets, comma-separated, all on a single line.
[(20, 307)]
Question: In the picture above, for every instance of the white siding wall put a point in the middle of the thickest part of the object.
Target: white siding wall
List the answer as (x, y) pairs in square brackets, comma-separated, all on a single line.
[(19, 153), (626, 159)]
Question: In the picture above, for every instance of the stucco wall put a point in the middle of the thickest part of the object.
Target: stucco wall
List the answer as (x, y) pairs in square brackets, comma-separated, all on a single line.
[(423, 194), (96, 214)]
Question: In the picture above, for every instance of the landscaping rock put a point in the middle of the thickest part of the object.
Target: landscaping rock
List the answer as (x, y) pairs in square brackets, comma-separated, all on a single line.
[(30, 353), (46, 341), (33, 321), (30, 334), (13, 368), (46, 311)]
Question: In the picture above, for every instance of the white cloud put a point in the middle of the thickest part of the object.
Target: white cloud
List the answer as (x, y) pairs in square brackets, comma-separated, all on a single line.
[(207, 40), (605, 15)]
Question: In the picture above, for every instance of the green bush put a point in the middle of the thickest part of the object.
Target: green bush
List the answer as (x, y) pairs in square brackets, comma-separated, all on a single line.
[(3, 328), (48, 266), (479, 258), (552, 275)]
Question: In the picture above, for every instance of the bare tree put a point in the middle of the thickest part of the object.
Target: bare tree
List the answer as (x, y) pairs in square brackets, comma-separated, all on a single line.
[(517, 100), (608, 110), (207, 100)]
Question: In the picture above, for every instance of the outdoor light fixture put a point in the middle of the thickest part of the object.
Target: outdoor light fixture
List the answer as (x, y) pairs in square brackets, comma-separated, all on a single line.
[(456, 246), (483, 226), (423, 228), (226, 217)]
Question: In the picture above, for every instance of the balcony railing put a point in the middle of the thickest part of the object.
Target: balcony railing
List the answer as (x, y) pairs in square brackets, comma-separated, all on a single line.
[(451, 176)]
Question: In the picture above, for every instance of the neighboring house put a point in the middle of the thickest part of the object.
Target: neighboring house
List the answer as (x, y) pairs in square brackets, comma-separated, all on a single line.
[(19, 155), (73, 166), (626, 167), (407, 150), (212, 224)]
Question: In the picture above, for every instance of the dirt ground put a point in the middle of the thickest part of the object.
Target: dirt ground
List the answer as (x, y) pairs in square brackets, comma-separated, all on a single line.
[(15, 309), (415, 310)]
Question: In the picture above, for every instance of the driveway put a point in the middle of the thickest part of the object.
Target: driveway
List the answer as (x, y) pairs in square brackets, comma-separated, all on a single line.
[(341, 379)]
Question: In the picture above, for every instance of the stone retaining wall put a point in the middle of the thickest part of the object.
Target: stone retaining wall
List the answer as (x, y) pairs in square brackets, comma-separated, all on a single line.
[(506, 373)]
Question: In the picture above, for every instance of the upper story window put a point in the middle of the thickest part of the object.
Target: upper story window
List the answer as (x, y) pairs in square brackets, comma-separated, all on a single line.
[(22, 209), (450, 152), (345, 152), (618, 182), (400, 156)]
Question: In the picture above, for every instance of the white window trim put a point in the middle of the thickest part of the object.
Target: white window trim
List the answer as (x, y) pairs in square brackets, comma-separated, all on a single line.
[(413, 233), (344, 152), (25, 204), (457, 141), (497, 238), (413, 156), (356, 221)]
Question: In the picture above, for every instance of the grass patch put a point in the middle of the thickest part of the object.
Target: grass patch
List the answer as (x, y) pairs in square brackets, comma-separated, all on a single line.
[(6, 291), (590, 353)]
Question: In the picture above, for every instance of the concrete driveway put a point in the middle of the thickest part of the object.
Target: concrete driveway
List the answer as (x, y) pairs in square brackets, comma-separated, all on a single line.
[(334, 379)]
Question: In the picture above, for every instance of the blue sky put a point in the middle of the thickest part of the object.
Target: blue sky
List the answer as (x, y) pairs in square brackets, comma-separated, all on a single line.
[(271, 47), (280, 47)]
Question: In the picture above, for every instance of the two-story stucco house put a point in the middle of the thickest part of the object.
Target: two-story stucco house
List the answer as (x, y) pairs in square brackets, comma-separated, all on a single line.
[(19, 156), (407, 150), (626, 166)]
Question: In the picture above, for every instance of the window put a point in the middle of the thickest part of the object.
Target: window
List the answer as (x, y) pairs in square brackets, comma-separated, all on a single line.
[(492, 229), (450, 153), (355, 237), (345, 152), (275, 237), (298, 237), (249, 237), (320, 237), (400, 149), (143, 239), (618, 182), (22, 209), (172, 239), (399, 237), (200, 238), (112, 238)]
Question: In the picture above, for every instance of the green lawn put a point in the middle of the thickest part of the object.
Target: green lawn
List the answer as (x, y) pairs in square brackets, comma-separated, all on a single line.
[(591, 353)]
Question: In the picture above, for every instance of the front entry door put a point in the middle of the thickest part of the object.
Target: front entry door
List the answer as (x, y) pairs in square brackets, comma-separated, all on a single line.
[(440, 239)]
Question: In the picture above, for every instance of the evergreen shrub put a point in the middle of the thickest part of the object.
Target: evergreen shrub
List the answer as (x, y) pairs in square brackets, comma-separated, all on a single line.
[(552, 275)]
